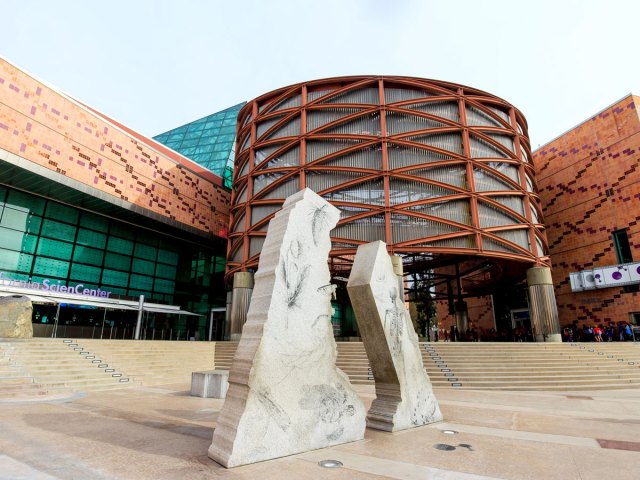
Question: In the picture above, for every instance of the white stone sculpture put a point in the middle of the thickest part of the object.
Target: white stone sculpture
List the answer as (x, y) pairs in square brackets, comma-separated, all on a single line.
[(404, 395), (15, 317), (286, 394)]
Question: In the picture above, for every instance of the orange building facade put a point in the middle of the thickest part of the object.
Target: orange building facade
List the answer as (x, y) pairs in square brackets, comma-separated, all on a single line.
[(89, 205), (589, 180)]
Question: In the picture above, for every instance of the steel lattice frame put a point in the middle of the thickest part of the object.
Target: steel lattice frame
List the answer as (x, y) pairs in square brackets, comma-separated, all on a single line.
[(439, 171)]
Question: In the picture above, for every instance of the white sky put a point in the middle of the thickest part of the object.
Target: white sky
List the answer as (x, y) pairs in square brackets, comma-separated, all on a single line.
[(155, 65)]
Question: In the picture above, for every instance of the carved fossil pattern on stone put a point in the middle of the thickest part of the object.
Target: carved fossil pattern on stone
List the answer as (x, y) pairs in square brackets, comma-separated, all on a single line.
[(329, 403), (319, 223), (273, 410), (293, 274)]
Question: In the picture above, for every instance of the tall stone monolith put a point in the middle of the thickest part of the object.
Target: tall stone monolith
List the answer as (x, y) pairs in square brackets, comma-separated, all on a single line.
[(286, 394), (404, 395)]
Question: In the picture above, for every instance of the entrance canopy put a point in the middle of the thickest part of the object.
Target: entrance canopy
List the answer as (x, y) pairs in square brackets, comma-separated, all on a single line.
[(56, 298)]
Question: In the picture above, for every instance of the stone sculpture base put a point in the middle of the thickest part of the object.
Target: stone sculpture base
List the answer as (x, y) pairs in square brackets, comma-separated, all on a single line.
[(404, 396), (286, 395), (15, 317), (210, 384)]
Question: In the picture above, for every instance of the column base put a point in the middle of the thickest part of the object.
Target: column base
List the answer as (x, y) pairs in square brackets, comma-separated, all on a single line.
[(552, 337)]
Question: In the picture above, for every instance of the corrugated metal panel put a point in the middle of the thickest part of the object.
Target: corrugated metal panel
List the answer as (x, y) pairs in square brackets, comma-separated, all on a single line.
[(289, 129), (515, 203), (243, 195), (519, 237), (319, 118), (454, 210), (237, 254), (290, 187), (486, 182), (264, 152), (369, 158), (401, 156), (502, 114), (448, 110), (366, 125), (401, 123), (508, 169), (246, 142), (293, 101), (544, 310), (265, 125), (490, 244), (534, 215), (368, 229), (504, 140), (255, 245), (478, 118), (392, 95), (244, 170), (405, 228), (363, 95), (322, 180), (457, 242), (404, 191), (482, 149), (239, 223), (371, 193), (452, 175), (321, 148), (290, 158), (260, 212), (314, 95), (446, 141), (262, 181), (491, 216), (348, 211)]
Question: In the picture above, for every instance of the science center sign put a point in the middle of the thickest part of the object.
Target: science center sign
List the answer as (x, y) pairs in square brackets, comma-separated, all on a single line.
[(55, 286)]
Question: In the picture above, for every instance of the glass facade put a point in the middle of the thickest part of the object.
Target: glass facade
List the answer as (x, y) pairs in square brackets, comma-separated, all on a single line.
[(43, 239), (209, 141)]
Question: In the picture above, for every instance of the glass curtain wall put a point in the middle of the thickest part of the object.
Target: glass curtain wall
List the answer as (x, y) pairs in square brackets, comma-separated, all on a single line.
[(43, 239)]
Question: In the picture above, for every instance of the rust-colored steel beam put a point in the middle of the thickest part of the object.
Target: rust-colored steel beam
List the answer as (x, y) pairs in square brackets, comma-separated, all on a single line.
[(431, 167)]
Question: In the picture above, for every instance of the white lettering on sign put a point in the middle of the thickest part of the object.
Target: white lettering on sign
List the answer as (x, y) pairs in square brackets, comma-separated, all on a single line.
[(49, 285)]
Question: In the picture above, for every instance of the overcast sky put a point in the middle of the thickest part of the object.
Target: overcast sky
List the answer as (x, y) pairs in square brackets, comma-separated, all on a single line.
[(155, 65)]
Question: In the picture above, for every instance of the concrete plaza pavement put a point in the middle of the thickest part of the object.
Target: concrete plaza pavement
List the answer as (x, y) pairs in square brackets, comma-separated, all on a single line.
[(163, 433)]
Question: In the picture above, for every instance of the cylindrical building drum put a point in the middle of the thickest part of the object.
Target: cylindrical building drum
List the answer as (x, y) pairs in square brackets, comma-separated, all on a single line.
[(440, 172)]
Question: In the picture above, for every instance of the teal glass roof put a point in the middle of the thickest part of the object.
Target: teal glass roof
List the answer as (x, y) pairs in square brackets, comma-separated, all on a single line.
[(209, 141)]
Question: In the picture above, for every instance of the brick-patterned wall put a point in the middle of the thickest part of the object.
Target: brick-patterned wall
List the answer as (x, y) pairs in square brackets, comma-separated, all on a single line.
[(54, 131), (589, 180), (480, 310)]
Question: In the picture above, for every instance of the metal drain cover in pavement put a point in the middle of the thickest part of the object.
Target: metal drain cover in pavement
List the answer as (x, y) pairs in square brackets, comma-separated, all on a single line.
[(444, 446)]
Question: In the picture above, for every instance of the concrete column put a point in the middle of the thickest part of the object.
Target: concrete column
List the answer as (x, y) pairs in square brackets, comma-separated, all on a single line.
[(242, 290), (462, 318), (227, 316), (139, 321), (542, 303)]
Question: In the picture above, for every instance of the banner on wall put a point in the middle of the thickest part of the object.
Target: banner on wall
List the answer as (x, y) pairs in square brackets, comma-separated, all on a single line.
[(605, 277)]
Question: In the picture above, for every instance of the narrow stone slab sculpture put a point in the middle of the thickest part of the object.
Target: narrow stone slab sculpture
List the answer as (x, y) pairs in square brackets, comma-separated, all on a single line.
[(15, 317), (286, 394), (404, 396)]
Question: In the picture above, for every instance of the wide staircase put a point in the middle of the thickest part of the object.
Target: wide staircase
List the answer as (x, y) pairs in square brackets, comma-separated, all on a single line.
[(154, 362), (39, 367), (56, 366), (533, 366), (502, 366)]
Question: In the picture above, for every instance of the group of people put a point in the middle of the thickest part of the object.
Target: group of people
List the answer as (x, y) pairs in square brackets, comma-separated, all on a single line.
[(612, 332), (518, 334)]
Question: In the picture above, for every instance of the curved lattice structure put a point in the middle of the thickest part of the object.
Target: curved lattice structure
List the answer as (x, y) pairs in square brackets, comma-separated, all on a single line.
[(439, 171)]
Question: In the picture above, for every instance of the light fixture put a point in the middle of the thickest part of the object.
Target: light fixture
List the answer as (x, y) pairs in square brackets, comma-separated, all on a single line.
[(330, 463)]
